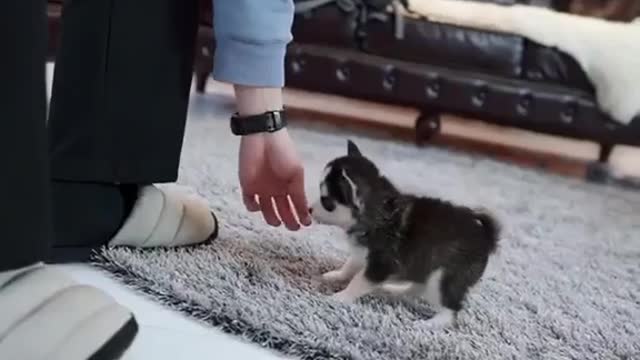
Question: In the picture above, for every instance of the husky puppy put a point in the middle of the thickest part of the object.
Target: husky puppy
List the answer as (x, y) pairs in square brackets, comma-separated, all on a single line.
[(400, 243)]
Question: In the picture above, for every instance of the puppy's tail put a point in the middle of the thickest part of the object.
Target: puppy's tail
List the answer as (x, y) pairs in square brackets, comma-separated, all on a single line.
[(491, 226)]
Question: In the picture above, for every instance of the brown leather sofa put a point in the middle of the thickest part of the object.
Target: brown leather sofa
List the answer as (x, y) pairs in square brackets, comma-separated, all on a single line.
[(354, 50), (498, 78)]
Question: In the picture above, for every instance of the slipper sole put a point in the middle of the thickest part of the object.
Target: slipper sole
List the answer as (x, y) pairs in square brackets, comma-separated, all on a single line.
[(73, 254), (119, 343), (62, 319)]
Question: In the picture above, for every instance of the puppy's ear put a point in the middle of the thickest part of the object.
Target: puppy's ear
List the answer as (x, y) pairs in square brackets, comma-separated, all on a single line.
[(352, 149)]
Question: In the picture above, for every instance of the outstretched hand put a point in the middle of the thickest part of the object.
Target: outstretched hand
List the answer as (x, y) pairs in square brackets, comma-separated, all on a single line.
[(272, 177)]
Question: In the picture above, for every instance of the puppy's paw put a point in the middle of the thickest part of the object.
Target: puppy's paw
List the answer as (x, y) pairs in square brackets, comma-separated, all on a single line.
[(442, 320), (334, 276), (343, 297)]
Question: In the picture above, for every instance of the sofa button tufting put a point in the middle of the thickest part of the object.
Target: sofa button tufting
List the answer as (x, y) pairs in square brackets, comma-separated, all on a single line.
[(524, 105), (479, 98), (569, 113), (361, 34), (389, 80), (342, 73), (297, 66), (432, 89)]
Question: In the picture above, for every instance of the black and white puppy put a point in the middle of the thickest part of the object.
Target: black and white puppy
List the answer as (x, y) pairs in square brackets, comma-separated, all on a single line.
[(400, 243)]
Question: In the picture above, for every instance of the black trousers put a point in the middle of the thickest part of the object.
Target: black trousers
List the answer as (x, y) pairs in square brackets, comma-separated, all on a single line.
[(117, 111)]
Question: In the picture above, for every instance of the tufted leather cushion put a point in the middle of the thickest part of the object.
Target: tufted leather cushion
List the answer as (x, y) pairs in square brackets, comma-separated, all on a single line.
[(445, 45), (534, 105), (440, 44), (424, 41)]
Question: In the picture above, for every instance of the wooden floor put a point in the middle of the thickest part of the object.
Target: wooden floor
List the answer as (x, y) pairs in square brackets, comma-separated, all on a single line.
[(555, 154)]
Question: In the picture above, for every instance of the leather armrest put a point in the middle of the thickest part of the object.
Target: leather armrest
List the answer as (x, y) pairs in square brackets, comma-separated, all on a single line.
[(426, 42), (541, 63), (446, 45)]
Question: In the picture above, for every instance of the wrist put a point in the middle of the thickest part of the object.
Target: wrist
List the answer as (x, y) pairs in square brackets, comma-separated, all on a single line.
[(257, 100), (259, 111)]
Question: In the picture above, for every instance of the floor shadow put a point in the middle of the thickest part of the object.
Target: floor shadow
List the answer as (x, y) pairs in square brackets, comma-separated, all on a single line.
[(260, 261)]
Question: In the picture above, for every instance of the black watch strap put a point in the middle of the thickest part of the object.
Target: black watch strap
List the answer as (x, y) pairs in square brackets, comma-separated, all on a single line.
[(269, 121)]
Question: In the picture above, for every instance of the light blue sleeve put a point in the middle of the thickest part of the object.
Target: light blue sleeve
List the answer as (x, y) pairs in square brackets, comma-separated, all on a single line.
[(251, 41)]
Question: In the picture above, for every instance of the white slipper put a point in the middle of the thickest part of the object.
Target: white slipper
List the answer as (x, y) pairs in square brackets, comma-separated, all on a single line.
[(45, 315), (163, 217)]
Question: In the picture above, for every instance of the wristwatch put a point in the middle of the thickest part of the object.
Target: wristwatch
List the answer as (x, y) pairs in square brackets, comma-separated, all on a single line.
[(270, 121)]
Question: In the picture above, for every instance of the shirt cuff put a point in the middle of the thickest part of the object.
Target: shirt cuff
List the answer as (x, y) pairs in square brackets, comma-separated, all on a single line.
[(249, 64)]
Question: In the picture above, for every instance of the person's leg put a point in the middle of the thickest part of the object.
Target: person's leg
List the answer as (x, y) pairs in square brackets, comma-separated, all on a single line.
[(25, 214), (121, 89), (118, 109), (60, 319)]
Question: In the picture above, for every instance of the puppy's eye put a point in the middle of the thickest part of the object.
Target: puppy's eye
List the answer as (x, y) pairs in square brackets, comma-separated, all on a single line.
[(327, 203)]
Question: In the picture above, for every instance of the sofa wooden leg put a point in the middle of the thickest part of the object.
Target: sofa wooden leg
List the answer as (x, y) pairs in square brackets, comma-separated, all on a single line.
[(203, 63), (605, 152), (201, 81), (427, 126), (605, 172), (598, 172), (602, 173)]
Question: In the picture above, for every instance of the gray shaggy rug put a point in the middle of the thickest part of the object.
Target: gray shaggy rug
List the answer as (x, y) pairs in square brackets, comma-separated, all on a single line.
[(565, 283)]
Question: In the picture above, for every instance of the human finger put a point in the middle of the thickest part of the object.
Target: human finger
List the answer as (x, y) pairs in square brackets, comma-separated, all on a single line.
[(299, 198), (268, 212), (285, 212), (250, 202)]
